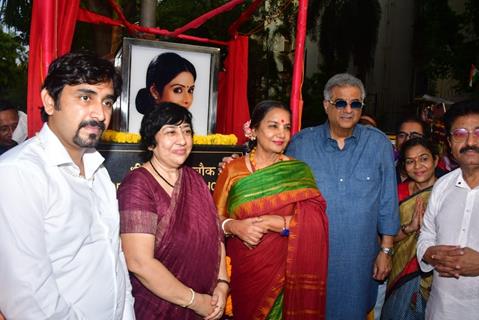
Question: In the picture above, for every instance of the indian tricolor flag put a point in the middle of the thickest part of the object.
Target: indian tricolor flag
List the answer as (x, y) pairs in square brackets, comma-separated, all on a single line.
[(473, 75)]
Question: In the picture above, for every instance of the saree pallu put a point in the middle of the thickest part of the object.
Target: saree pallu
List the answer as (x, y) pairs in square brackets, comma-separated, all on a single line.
[(187, 236), (282, 277), (408, 287)]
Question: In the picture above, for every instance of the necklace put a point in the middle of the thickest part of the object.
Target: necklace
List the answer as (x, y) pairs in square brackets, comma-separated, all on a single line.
[(252, 159), (159, 175)]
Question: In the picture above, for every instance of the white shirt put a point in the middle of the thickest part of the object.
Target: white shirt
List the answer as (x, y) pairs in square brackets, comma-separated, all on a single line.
[(451, 218), (60, 254)]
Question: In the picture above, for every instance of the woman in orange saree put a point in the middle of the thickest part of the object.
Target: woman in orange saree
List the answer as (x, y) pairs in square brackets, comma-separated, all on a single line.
[(271, 205)]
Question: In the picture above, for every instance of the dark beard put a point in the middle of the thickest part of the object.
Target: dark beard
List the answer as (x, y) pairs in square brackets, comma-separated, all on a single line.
[(93, 139)]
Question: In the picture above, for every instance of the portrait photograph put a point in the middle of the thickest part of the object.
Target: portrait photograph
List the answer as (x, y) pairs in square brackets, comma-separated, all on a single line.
[(157, 71)]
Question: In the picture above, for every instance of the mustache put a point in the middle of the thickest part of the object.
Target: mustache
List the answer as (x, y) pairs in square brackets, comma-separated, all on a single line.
[(92, 123), (469, 148)]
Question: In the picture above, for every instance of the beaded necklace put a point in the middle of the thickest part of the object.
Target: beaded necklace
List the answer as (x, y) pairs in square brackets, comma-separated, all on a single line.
[(252, 159)]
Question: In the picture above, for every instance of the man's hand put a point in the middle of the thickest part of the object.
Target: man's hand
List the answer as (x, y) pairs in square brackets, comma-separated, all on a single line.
[(441, 259), (462, 261), (382, 266), (225, 161)]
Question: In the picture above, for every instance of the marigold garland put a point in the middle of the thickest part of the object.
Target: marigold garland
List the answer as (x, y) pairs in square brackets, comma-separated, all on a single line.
[(229, 302), (127, 137), (120, 137)]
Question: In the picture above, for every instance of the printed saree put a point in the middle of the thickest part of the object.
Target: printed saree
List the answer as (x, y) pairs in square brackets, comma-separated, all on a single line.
[(408, 287), (282, 277), (187, 235)]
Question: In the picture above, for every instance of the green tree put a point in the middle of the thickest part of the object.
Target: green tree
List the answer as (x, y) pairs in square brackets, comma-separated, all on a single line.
[(348, 31), (13, 66), (446, 43)]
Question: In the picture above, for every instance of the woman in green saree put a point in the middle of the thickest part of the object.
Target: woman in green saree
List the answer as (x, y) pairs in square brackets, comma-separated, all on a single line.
[(275, 216), (408, 287)]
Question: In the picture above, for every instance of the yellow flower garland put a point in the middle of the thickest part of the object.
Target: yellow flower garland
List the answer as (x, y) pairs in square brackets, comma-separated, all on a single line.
[(120, 137), (127, 137)]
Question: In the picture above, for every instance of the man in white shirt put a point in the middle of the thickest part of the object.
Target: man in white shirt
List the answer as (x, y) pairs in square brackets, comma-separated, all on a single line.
[(449, 239), (60, 253)]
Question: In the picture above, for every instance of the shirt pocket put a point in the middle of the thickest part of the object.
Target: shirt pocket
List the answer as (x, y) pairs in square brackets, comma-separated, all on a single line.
[(365, 181)]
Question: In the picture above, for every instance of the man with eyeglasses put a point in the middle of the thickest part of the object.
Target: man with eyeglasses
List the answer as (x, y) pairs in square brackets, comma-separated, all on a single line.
[(8, 124), (354, 169), (449, 240)]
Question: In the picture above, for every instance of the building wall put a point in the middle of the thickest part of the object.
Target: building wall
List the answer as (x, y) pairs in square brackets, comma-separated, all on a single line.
[(390, 82)]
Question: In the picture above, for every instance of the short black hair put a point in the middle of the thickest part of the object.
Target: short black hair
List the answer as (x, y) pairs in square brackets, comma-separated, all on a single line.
[(76, 68), (260, 111), (6, 105), (165, 113), (459, 109), (418, 141), (412, 119), (161, 70)]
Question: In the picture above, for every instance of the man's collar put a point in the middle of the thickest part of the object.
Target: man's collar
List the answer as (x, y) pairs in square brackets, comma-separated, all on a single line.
[(355, 134), (57, 155)]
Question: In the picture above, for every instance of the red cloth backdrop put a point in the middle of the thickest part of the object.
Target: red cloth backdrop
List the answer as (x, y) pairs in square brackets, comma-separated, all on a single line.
[(51, 34), (233, 111), (296, 100)]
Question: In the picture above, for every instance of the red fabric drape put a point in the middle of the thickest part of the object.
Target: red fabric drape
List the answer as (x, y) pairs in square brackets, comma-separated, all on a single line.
[(296, 100), (233, 110), (51, 34)]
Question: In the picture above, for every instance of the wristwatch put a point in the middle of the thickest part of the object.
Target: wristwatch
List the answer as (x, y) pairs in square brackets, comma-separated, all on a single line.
[(388, 251)]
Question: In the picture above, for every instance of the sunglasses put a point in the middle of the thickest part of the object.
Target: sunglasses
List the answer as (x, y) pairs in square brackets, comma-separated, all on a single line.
[(341, 104), (461, 134), (409, 135)]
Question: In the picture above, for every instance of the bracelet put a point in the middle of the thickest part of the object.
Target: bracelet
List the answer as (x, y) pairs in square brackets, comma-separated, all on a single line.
[(224, 281), (388, 251), (193, 294), (285, 231), (223, 226)]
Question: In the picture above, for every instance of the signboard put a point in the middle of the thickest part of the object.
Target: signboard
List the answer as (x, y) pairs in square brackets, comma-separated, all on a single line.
[(122, 158)]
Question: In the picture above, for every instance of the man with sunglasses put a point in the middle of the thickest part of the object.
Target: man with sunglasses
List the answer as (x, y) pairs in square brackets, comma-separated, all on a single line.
[(354, 169), (449, 240)]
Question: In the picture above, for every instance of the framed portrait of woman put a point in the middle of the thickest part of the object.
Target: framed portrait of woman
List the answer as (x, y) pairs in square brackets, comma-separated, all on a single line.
[(139, 57)]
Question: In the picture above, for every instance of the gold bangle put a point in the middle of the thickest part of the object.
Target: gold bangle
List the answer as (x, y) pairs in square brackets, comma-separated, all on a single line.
[(193, 294)]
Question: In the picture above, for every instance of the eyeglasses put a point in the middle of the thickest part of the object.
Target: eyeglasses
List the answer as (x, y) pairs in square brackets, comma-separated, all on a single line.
[(409, 135), (341, 104), (461, 134)]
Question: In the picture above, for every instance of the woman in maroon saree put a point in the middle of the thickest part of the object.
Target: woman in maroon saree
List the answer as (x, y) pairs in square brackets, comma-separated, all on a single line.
[(169, 226)]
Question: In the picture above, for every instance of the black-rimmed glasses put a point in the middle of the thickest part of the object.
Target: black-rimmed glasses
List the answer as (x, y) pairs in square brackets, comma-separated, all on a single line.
[(409, 135)]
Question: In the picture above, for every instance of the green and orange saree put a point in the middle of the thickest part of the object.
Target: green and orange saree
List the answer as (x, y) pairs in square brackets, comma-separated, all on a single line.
[(282, 277)]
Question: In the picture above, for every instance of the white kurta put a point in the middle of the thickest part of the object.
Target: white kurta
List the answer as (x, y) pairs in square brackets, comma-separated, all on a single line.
[(452, 218), (60, 253)]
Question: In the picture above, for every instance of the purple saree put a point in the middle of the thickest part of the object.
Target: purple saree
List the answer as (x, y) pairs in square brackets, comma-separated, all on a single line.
[(187, 237)]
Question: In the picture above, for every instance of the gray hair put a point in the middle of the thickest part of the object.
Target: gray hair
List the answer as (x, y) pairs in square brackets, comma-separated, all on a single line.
[(343, 80)]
